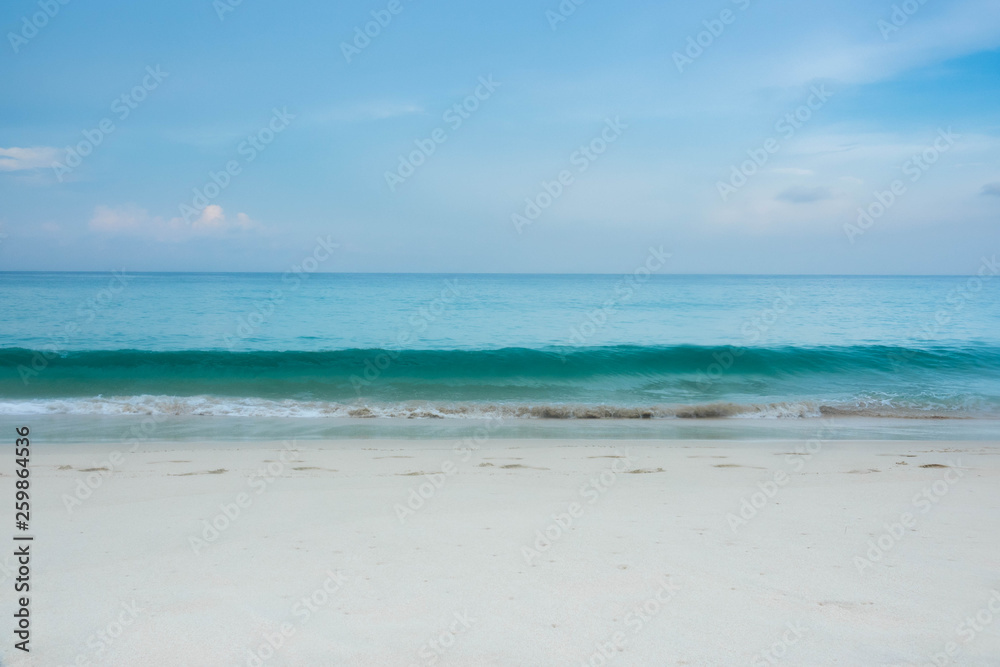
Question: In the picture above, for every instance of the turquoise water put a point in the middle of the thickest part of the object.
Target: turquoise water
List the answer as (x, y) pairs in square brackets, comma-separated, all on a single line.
[(519, 346)]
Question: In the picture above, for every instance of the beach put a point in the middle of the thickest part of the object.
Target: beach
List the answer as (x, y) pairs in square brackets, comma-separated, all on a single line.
[(497, 551), (515, 334)]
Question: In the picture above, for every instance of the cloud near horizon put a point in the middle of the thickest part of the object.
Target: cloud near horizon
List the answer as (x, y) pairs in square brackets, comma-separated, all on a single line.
[(846, 106), (20, 159), (130, 219)]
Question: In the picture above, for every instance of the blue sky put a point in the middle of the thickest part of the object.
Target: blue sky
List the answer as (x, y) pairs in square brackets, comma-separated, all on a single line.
[(310, 129)]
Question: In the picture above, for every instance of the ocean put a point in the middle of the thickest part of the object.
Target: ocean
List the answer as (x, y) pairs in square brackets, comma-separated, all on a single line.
[(348, 349)]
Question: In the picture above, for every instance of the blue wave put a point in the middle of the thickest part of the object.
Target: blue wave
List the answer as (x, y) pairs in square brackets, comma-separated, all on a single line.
[(945, 379)]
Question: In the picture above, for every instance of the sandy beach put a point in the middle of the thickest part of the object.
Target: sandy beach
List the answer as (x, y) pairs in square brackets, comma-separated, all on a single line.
[(500, 334), (516, 552)]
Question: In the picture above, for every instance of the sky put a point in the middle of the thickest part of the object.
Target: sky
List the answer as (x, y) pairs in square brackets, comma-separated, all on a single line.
[(741, 136)]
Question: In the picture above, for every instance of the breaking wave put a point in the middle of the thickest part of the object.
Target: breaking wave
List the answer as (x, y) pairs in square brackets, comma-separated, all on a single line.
[(614, 382), (213, 406)]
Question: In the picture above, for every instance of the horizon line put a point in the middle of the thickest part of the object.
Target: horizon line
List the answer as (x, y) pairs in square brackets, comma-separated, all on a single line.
[(492, 273)]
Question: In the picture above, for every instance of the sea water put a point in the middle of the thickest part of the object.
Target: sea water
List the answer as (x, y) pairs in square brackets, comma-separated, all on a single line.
[(517, 347)]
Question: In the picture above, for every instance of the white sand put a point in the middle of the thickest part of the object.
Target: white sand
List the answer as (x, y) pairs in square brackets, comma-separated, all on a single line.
[(451, 585)]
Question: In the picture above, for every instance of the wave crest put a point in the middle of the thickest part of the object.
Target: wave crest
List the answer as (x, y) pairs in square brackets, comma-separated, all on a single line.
[(212, 406)]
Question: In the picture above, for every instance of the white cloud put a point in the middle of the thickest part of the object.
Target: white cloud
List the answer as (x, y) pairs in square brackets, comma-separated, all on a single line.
[(213, 219), (860, 54), (116, 220), (837, 43), (130, 219), (19, 159), (794, 171), (363, 112)]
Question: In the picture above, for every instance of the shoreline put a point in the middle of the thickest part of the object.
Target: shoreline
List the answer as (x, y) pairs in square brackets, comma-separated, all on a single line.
[(129, 429), (510, 551)]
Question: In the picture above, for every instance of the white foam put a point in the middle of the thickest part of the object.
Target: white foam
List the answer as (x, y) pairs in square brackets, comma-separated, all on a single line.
[(216, 406)]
